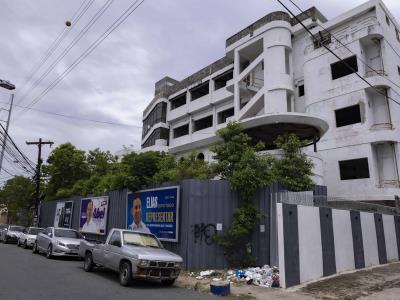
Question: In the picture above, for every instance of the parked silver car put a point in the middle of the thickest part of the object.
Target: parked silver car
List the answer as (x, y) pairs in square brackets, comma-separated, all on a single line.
[(58, 242), (28, 237), (134, 255), (11, 233)]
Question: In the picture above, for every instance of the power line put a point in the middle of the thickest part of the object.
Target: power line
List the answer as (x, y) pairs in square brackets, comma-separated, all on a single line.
[(5, 134), (88, 51), (75, 117), (63, 54), (53, 46), (334, 54), (348, 49)]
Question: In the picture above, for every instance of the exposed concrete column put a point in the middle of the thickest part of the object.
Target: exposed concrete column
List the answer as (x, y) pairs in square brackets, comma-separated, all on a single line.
[(236, 97)]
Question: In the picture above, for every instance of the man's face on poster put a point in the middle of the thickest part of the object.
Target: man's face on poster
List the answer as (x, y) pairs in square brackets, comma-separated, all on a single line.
[(89, 210), (137, 211)]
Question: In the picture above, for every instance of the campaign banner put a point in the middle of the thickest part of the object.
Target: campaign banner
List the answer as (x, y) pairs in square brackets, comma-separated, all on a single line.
[(63, 215), (93, 215), (155, 211)]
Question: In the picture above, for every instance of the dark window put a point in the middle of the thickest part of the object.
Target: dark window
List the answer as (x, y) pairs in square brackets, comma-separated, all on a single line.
[(200, 156), (348, 115), (203, 123), (181, 131), (178, 101), (221, 80), (199, 91), (301, 90), (344, 67), (323, 40), (387, 20), (354, 169), (158, 134), (157, 115), (223, 115)]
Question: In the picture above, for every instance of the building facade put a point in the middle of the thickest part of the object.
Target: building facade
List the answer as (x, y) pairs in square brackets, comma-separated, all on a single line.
[(275, 78)]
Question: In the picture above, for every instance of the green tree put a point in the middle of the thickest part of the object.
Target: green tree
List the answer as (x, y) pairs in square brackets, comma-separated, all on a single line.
[(239, 162), (100, 162), (189, 167), (294, 169), (65, 166), (18, 195)]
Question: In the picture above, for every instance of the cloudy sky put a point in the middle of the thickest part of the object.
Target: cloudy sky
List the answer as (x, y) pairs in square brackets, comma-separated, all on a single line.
[(116, 82)]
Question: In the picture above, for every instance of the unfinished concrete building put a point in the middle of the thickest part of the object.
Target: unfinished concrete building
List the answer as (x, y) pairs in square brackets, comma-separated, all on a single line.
[(275, 78)]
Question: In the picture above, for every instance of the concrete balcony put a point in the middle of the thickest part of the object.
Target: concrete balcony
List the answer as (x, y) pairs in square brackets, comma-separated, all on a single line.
[(199, 104), (178, 113)]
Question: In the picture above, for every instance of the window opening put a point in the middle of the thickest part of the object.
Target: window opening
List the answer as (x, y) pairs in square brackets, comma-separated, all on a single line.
[(323, 40), (178, 101), (203, 123), (354, 169), (348, 115), (340, 69), (301, 90), (225, 114), (199, 91), (181, 131), (221, 80)]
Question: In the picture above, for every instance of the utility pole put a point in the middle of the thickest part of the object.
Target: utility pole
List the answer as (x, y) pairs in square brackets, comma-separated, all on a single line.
[(37, 176)]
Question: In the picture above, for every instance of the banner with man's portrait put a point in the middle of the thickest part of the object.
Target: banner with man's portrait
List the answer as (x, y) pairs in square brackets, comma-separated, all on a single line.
[(63, 215), (155, 211), (93, 215)]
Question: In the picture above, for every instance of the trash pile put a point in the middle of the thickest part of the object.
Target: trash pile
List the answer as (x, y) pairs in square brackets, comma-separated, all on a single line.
[(264, 277)]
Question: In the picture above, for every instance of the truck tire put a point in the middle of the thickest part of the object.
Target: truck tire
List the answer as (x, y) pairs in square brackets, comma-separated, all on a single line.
[(88, 262), (49, 252), (125, 273), (167, 282)]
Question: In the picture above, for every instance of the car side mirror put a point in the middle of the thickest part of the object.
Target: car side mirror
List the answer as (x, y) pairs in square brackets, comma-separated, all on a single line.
[(49, 234), (117, 244)]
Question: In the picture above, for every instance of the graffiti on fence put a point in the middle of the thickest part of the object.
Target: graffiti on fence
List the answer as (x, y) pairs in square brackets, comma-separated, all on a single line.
[(204, 233)]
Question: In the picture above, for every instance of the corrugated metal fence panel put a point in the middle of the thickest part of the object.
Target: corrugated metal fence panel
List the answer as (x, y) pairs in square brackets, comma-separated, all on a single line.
[(261, 234), (47, 212), (210, 203)]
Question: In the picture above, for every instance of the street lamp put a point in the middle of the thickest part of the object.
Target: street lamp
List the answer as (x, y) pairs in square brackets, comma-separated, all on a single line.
[(7, 85)]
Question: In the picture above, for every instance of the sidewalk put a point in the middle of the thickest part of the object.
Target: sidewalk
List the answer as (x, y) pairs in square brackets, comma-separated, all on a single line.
[(378, 283)]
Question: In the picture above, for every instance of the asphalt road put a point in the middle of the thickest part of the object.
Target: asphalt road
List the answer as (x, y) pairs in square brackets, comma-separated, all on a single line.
[(24, 275)]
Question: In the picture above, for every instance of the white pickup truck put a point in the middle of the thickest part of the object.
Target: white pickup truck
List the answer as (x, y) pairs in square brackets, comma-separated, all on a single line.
[(132, 254)]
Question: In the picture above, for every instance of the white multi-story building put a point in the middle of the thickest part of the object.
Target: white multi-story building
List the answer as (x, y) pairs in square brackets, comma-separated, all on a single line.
[(275, 78)]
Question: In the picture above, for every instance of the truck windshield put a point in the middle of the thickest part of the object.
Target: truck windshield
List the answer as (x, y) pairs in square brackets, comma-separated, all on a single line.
[(141, 239), (17, 228), (67, 233)]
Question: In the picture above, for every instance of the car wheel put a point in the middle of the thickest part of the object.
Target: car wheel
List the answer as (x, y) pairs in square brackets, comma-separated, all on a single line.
[(24, 245), (18, 243), (168, 281), (34, 248), (6, 240), (125, 274), (88, 262), (49, 251)]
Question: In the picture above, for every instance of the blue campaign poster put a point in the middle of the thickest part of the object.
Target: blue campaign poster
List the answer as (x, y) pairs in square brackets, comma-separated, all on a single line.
[(155, 211)]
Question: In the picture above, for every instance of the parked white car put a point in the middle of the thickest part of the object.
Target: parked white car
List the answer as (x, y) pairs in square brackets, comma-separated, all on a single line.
[(11, 233), (28, 237), (58, 242)]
